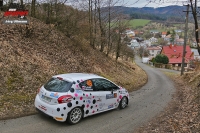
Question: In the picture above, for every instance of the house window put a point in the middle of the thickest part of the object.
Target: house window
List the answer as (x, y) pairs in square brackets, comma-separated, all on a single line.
[(152, 54), (152, 51)]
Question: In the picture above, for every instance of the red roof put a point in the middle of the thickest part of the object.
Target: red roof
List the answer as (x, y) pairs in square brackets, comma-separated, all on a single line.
[(175, 53)]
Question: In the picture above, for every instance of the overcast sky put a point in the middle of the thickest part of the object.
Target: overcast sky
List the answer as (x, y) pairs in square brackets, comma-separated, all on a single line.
[(155, 3)]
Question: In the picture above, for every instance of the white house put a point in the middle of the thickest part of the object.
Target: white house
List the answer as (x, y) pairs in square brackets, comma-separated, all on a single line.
[(153, 39), (154, 50), (130, 33), (196, 53), (164, 34)]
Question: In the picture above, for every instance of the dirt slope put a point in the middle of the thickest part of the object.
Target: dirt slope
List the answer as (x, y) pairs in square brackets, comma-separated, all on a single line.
[(30, 55)]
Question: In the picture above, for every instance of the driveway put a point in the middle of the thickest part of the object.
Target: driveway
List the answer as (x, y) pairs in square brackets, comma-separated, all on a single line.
[(144, 104)]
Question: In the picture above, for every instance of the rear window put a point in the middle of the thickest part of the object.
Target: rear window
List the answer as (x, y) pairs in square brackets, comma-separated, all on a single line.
[(57, 85)]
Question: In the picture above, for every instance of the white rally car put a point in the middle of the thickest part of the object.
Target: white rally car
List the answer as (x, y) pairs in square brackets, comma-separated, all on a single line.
[(76, 95)]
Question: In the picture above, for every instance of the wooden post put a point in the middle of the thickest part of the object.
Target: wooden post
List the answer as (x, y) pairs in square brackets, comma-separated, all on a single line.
[(185, 39)]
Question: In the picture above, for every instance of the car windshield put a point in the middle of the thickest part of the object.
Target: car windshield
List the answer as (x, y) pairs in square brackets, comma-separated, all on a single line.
[(57, 85)]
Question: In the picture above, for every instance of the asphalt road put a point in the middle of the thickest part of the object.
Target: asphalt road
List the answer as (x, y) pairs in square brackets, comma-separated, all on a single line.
[(144, 104)]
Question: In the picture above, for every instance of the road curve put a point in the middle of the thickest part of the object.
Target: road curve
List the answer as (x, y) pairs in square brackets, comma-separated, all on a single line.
[(144, 104)]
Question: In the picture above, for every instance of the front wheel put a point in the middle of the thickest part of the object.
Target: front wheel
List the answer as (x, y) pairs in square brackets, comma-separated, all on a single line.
[(123, 103), (75, 115)]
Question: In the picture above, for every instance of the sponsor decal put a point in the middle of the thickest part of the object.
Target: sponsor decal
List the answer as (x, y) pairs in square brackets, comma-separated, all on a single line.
[(55, 95), (88, 101), (122, 92), (101, 106), (79, 91), (99, 100), (110, 106), (109, 96), (42, 107)]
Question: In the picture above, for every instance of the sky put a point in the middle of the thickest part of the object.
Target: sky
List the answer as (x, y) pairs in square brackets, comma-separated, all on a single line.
[(153, 3)]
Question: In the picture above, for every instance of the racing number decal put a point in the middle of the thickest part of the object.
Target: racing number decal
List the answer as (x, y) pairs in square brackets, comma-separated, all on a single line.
[(89, 83)]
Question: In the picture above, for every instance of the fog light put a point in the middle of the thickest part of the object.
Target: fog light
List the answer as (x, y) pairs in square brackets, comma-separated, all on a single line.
[(57, 118)]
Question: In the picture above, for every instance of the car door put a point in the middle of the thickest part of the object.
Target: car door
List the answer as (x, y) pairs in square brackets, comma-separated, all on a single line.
[(92, 100), (107, 92)]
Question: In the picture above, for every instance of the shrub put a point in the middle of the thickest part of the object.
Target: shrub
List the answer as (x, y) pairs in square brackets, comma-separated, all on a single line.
[(160, 58)]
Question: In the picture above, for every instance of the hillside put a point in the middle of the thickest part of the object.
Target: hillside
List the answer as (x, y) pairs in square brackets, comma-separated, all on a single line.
[(170, 13), (30, 55)]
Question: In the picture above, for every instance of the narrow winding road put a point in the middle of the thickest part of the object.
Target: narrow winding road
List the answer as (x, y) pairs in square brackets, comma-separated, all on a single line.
[(144, 104)]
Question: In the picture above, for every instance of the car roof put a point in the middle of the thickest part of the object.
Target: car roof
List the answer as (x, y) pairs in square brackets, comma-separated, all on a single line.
[(77, 76)]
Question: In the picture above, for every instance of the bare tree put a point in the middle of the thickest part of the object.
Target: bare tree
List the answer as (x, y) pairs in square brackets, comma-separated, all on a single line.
[(101, 26), (121, 26), (33, 8), (194, 13)]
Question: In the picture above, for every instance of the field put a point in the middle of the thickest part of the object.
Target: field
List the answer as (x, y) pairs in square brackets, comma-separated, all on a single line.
[(134, 23), (138, 22)]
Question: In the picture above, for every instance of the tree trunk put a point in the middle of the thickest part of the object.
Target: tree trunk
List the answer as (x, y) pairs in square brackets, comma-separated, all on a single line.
[(33, 8), (95, 24), (194, 13), (101, 28), (118, 46), (109, 45)]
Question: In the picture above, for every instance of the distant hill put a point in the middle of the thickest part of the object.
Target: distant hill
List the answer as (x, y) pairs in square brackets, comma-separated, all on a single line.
[(162, 13)]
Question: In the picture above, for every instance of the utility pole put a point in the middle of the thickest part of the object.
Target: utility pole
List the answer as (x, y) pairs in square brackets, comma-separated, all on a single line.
[(185, 40)]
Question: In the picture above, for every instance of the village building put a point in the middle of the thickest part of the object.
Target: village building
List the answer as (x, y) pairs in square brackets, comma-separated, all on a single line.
[(175, 54)]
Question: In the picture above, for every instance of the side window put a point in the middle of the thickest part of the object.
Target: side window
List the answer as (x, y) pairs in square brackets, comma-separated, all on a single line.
[(86, 85), (103, 85)]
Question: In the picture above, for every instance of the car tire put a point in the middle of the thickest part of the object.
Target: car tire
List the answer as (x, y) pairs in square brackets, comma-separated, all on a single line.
[(75, 116), (123, 103)]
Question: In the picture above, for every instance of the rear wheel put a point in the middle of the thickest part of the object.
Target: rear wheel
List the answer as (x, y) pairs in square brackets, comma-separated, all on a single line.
[(75, 115), (123, 103)]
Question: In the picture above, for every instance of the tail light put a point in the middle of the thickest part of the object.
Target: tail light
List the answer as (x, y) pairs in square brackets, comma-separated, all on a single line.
[(64, 99)]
